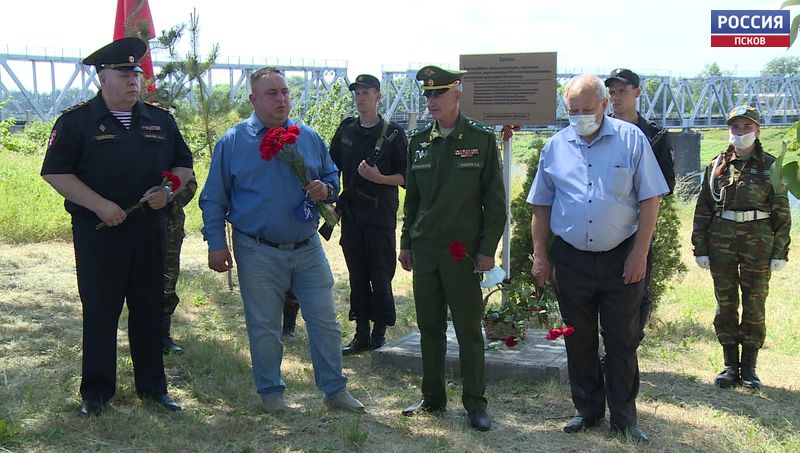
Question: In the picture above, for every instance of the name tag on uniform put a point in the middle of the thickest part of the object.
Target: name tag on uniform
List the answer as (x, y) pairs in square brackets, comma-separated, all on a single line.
[(765, 172), (154, 137), (466, 152), (104, 138), (151, 128), (421, 166), (468, 164)]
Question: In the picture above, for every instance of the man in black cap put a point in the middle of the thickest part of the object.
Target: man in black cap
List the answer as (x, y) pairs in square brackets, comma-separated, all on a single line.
[(454, 192), (104, 156), (623, 90), (371, 154)]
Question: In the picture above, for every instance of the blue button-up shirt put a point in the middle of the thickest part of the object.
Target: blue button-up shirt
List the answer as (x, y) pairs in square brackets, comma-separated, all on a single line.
[(257, 196), (595, 188)]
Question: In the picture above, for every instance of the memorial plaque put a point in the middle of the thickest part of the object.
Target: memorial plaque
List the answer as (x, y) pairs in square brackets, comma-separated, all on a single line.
[(516, 88)]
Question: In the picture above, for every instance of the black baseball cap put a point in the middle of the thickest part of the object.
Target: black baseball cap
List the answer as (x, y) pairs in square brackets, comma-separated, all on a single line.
[(123, 55), (365, 81), (625, 76)]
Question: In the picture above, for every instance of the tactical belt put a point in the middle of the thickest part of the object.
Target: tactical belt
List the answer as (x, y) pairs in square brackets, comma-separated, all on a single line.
[(743, 216), (287, 246)]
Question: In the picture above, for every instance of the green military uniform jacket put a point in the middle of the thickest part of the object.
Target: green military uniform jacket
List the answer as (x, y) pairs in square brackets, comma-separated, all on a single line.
[(747, 187), (454, 189)]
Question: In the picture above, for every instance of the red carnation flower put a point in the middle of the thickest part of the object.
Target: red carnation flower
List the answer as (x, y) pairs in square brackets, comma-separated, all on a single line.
[(174, 180), (552, 334), (293, 130), (457, 250), (511, 341)]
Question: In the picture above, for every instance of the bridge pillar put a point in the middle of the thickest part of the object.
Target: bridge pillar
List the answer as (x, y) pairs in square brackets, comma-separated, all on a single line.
[(686, 149)]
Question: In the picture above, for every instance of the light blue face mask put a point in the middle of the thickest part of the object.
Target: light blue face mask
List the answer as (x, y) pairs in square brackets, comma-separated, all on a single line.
[(584, 124), (493, 277)]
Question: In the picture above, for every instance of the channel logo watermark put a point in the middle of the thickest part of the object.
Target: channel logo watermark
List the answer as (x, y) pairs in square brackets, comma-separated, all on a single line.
[(750, 28)]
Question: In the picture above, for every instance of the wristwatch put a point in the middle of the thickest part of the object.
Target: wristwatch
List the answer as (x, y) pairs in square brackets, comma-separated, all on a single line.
[(170, 193), (330, 189)]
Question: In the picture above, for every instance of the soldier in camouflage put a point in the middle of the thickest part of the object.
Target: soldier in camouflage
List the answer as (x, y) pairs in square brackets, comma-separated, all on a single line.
[(741, 233), (172, 262)]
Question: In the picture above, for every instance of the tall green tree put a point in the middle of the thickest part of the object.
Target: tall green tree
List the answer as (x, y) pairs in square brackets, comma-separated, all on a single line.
[(782, 66)]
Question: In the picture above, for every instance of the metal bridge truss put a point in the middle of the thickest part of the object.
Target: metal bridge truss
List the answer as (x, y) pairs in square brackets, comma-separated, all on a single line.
[(672, 102), (318, 82)]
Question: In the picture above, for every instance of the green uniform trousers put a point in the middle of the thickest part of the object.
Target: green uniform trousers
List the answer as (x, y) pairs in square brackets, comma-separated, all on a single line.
[(439, 283), (739, 254)]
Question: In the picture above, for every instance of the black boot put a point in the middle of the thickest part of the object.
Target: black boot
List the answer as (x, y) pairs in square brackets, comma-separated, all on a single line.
[(360, 340), (749, 359), (378, 337), (730, 375), (290, 309), (167, 345)]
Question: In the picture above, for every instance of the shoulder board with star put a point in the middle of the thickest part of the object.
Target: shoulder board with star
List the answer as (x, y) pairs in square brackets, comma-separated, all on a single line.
[(158, 107), (420, 130), (75, 107), (479, 126)]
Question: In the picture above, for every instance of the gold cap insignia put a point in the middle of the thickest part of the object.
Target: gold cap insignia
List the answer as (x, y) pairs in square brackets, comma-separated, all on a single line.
[(131, 59)]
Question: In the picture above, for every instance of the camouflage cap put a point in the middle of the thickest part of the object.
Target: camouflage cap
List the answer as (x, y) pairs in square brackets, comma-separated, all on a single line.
[(436, 80), (745, 111), (123, 55)]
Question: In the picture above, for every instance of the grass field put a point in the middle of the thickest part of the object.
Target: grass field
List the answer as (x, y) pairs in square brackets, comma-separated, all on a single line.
[(40, 350)]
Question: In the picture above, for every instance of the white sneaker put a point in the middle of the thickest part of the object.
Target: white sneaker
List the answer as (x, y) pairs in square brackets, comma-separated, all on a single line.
[(343, 400), (273, 404)]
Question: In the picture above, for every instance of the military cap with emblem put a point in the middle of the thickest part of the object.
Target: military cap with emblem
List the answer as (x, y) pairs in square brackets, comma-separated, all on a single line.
[(745, 111), (436, 80), (123, 55), (625, 76), (365, 81)]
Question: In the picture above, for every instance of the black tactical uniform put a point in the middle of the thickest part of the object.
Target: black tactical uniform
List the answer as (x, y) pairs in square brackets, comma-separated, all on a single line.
[(369, 217)]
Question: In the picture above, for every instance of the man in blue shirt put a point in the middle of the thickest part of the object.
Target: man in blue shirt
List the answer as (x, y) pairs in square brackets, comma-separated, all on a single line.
[(275, 249), (597, 189)]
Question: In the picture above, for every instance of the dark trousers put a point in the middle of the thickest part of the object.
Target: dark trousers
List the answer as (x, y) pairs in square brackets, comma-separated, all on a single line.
[(371, 258), (589, 284), (441, 283), (647, 303), (115, 265)]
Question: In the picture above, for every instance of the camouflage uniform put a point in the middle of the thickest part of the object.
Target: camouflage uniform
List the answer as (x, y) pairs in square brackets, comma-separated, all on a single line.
[(172, 261), (740, 252)]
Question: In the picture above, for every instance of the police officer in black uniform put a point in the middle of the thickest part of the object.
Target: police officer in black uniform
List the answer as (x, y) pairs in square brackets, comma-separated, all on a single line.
[(623, 90), (104, 156), (371, 153)]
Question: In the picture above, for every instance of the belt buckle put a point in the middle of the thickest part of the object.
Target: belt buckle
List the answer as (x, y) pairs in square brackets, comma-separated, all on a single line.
[(289, 246)]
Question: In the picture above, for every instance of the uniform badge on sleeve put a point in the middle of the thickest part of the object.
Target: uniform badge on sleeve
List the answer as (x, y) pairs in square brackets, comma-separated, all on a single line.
[(53, 137)]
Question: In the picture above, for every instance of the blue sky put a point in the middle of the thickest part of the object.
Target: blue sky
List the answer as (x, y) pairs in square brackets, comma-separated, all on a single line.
[(666, 37)]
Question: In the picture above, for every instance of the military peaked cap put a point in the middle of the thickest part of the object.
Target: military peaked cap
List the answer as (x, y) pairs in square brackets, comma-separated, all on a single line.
[(123, 55), (436, 80)]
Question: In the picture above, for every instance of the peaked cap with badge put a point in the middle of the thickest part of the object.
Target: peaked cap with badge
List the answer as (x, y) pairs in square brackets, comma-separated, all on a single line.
[(436, 80), (123, 55), (745, 111), (365, 81)]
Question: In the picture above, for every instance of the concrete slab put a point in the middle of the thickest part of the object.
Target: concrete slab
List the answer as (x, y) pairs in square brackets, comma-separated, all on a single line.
[(533, 359)]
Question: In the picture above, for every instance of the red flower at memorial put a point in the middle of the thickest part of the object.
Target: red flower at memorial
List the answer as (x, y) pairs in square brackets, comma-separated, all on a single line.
[(170, 180), (553, 334), (511, 341), (457, 250)]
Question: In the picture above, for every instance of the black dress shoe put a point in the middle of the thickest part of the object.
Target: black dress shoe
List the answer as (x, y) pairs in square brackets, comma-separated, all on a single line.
[(167, 402), (90, 408), (170, 347), (359, 344), (579, 423), (633, 433), (422, 407), (479, 420)]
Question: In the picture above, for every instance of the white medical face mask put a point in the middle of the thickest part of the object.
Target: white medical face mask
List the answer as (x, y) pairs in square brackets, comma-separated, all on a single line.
[(743, 141), (584, 124)]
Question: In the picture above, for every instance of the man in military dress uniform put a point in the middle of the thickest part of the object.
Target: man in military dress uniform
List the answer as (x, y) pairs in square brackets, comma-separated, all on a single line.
[(104, 156), (172, 266), (371, 154), (623, 90), (454, 191)]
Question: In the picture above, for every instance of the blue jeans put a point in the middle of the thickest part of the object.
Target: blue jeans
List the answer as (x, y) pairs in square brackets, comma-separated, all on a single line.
[(265, 274)]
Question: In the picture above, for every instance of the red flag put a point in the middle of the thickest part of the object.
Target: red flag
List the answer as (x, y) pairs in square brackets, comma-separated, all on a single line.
[(134, 19)]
